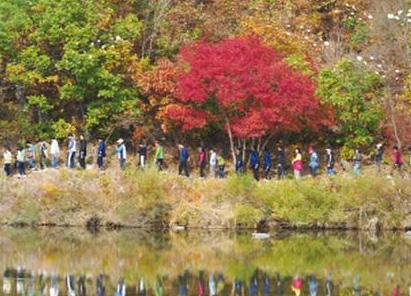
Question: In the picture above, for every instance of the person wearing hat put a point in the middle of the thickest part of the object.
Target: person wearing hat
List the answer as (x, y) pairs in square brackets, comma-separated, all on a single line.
[(121, 153), (379, 155)]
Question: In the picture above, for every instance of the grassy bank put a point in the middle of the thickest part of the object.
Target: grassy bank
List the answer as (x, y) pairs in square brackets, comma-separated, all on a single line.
[(154, 199)]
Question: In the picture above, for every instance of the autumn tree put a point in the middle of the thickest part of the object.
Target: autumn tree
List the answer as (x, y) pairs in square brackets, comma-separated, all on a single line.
[(244, 87)]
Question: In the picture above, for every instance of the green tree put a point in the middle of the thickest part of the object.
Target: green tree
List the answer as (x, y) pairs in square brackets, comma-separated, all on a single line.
[(69, 60), (355, 94)]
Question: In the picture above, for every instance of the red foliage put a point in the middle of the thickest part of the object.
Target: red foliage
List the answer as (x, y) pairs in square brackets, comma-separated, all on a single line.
[(245, 84)]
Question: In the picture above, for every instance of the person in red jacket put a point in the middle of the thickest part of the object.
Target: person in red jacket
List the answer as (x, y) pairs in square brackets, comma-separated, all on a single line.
[(397, 160)]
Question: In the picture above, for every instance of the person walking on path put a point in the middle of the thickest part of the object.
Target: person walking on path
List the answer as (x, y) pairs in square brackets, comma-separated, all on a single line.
[(43, 155), (82, 152), (31, 155), (20, 161), (267, 163), (298, 164), (159, 156), (101, 153), (213, 163), (8, 160), (397, 160), (54, 153), (184, 157), (379, 154), (255, 163), (71, 147), (121, 153), (314, 162), (239, 162), (142, 154), (202, 155), (221, 165), (280, 162), (330, 162), (357, 162)]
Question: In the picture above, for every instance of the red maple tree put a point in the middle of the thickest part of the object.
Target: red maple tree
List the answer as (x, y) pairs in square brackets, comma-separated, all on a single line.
[(245, 87)]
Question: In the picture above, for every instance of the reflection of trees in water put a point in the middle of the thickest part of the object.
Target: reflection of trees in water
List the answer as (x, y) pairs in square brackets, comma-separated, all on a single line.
[(163, 258)]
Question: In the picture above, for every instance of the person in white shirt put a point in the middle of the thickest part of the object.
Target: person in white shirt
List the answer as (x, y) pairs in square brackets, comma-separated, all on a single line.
[(54, 153), (8, 159), (213, 163), (72, 147)]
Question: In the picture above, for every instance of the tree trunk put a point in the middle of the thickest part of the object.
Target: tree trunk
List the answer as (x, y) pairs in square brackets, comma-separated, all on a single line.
[(230, 137), (393, 119)]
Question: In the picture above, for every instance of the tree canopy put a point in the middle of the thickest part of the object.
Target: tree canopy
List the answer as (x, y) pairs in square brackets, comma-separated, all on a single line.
[(103, 67)]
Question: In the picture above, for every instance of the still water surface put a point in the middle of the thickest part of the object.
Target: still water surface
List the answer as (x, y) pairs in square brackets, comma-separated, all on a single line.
[(59, 261)]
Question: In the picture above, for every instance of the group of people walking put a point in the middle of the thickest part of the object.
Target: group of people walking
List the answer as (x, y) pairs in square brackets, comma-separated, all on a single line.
[(38, 156), (266, 164)]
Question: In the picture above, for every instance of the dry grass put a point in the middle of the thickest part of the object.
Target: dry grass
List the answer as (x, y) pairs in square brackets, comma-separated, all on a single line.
[(158, 199)]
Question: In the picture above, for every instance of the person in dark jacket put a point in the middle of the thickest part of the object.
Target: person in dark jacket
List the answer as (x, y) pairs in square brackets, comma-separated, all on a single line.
[(101, 153), (183, 160), (330, 162), (83, 152), (267, 163), (43, 155), (239, 162), (379, 154), (142, 154), (280, 162), (202, 157), (255, 163)]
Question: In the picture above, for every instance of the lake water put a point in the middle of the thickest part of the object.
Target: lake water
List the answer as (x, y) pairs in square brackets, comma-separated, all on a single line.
[(44, 261)]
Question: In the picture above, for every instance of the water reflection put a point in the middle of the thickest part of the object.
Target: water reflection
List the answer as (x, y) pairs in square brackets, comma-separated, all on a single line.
[(74, 262)]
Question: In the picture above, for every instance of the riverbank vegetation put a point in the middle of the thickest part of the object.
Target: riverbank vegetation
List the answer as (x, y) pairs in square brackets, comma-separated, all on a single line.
[(155, 199)]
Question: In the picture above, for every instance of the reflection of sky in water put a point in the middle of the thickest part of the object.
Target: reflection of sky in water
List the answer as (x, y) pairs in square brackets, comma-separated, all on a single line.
[(201, 263)]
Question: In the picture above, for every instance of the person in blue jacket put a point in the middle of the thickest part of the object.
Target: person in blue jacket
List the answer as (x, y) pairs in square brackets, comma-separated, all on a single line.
[(281, 158), (255, 163), (101, 153), (314, 162), (184, 157), (267, 163), (121, 153)]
